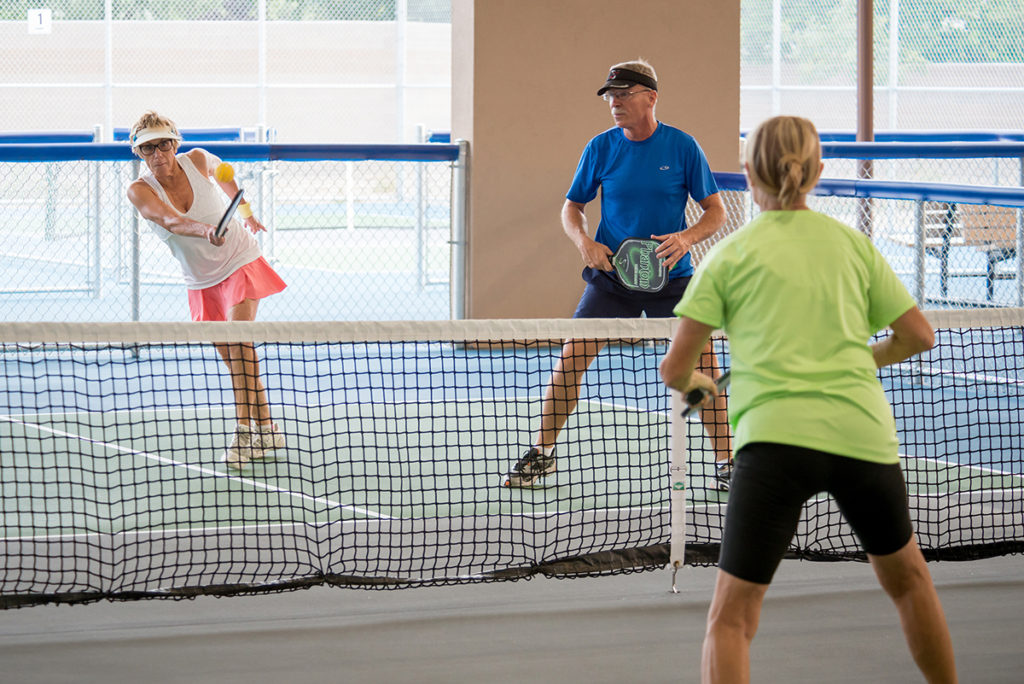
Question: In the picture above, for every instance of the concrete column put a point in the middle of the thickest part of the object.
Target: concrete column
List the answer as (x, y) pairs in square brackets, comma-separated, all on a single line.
[(524, 80)]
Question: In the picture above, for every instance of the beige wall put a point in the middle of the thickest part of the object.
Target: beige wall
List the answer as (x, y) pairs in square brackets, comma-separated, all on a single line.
[(524, 78)]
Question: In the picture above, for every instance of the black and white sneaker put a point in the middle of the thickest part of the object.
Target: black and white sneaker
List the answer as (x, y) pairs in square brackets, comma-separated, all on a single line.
[(530, 468), (723, 475)]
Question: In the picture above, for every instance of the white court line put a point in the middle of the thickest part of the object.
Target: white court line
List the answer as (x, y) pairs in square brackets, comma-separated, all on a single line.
[(966, 466), (906, 368), (169, 532), (200, 469), (542, 514)]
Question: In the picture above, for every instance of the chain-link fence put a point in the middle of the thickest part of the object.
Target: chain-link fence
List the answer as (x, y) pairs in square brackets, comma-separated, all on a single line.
[(968, 163), (316, 70), (954, 247), (379, 239), (380, 67), (938, 64), (354, 240)]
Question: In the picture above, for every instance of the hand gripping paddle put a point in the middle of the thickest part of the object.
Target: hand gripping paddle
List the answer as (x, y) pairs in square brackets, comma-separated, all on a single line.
[(638, 266), (695, 397), (222, 225)]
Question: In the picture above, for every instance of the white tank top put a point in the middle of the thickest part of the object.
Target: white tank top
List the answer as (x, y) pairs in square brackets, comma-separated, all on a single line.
[(203, 264)]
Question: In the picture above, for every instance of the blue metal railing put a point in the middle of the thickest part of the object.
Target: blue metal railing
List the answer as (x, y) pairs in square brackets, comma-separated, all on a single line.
[(926, 136), (225, 133), (32, 137), (235, 152), (923, 136), (898, 190), (929, 150)]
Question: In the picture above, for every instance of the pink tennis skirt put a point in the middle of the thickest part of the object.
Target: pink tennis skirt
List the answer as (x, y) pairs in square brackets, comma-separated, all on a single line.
[(256, 280)]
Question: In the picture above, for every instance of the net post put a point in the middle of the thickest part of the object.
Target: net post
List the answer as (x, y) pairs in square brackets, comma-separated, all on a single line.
[(1019, 235), (268, 200), (136, 277), (95, 220), (677, 485), (350, 211), (420, 224), (459, 221), (919, 252)]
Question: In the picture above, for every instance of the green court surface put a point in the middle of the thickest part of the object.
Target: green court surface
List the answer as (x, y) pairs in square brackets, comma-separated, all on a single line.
[(112, 472), (128, 471)]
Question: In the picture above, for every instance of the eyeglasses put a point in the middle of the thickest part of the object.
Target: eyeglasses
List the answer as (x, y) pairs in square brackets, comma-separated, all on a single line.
[(149, 148), (619, 96)]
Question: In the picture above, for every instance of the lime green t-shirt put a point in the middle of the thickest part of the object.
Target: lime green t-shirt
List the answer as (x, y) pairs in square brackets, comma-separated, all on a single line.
[(800, 294)]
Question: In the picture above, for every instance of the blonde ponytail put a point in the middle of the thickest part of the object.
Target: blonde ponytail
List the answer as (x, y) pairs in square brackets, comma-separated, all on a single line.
[(783, 156)]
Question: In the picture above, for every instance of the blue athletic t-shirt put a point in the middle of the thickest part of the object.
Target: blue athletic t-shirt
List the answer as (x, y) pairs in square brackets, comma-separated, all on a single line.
[(644, 185)]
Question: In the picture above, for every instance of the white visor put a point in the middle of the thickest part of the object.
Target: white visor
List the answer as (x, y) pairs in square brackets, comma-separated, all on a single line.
[(155, 133)]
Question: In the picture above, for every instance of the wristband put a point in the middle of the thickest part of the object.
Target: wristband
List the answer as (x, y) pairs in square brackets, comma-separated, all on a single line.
[(244, 210)]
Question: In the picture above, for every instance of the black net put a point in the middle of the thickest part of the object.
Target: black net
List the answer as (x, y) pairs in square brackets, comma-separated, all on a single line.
[(958, 410), (397, 445), (398, 440)]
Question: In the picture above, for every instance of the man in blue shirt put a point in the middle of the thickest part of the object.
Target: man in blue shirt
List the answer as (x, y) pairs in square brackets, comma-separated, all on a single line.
[(646, 171)]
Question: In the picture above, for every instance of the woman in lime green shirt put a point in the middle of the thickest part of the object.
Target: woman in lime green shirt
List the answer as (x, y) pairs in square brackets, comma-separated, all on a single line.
[(799, 295)]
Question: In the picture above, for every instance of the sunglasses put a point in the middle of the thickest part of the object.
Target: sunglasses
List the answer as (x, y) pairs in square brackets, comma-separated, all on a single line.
[(149, 148)]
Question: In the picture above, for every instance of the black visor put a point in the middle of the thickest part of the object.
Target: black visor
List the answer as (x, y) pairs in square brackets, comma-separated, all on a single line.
[(624, 78)]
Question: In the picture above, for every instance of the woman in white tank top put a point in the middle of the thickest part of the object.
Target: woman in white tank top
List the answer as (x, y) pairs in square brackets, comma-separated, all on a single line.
[(226, 276)]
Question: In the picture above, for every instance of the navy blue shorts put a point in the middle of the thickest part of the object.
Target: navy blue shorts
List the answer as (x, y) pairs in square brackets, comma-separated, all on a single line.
[(771, 482), (605, 297)]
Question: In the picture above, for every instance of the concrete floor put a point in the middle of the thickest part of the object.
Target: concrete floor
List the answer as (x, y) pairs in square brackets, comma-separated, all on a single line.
[(822, 622)]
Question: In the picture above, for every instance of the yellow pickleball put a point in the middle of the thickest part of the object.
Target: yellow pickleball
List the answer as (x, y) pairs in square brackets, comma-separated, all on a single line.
[(224, 173)]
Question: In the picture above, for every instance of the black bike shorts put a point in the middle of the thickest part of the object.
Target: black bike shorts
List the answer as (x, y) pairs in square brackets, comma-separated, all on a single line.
[(770, 483)]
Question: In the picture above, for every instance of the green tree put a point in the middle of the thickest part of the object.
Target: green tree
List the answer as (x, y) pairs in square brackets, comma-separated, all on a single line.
[(820, 35), (62, 10), (332, 10), (228, 10)]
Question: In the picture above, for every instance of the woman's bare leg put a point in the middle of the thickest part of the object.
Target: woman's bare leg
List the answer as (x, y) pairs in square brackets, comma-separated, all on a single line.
[(732, 623), (243, 363), (904, 576)]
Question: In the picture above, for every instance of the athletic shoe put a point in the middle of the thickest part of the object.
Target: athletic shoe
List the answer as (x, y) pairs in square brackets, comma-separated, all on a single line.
[(530, 468), (268, 437), (723, 475), (243, 448)]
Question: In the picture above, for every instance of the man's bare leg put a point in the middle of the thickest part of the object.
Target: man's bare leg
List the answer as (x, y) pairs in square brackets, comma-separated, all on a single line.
[(715, 417), (563, 390), (560, 399)]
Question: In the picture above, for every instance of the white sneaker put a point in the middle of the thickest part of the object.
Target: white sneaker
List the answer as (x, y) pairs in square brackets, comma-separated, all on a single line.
[(268, 437), (244, 447)]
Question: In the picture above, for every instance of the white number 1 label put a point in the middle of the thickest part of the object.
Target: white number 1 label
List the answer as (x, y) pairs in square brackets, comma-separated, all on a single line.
[(39, 21)]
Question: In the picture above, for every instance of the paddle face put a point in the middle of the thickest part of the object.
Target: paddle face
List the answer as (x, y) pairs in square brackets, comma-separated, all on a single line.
[(638, 266), (222, 225)]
